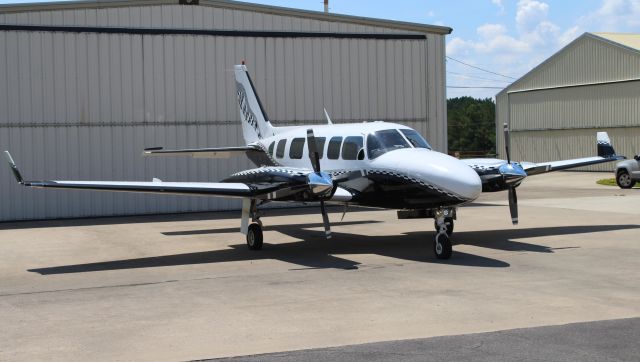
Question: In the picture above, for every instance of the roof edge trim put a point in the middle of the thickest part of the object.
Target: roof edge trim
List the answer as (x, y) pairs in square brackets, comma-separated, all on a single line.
[(233, 5)]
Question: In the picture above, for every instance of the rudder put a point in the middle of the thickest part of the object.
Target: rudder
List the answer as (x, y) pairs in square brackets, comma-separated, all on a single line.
[(255, 123)]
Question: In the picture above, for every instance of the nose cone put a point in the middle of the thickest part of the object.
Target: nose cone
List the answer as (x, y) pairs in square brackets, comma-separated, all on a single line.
[(434, 168)]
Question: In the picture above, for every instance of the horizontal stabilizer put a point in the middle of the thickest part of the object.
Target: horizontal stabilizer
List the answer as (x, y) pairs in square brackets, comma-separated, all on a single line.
[(217, 152)]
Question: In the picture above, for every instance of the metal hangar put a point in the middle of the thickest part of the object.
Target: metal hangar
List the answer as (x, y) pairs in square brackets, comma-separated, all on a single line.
[(86, 85), (555, 110)]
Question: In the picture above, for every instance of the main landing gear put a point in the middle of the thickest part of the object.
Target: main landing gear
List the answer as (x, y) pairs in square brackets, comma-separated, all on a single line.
[(444, 228), (253, 231)]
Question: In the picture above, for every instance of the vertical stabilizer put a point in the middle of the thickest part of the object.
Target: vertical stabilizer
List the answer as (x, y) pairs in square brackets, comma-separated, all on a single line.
[(255, 123)]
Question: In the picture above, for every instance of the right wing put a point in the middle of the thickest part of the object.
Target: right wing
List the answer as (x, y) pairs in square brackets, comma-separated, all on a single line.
[(217, 152)]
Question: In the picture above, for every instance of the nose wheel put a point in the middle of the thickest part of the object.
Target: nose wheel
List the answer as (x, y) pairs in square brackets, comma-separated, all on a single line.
[(444, 227), (442, 246)]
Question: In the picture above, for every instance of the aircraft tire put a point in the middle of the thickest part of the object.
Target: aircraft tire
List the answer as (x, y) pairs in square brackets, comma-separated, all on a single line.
[(254, 237), (449, 223), (442, 247)]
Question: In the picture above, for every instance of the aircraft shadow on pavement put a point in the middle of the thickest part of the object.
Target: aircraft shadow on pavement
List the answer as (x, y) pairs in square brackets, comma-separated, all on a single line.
[(312, 250)]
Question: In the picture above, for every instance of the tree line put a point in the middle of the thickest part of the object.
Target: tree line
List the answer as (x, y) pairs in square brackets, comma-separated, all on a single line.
[(471, 126)]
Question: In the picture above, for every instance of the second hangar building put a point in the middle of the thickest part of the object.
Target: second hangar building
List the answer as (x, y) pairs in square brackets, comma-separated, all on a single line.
[(591, 85)]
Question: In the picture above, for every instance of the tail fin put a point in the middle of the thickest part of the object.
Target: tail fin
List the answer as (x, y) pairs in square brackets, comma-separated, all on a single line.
[(605, 149), (255, 123)]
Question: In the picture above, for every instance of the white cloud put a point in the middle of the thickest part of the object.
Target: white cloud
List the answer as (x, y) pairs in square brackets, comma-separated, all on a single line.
[(534, 38), (530, 12), (613, 16), (500, 5)]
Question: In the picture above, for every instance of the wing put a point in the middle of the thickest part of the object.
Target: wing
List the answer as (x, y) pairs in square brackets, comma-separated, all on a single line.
[(218, 152), (606, 153), (290, 184), (493, 172)]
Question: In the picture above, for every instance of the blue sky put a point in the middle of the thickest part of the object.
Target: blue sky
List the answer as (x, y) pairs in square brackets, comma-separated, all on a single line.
[(508, 37)]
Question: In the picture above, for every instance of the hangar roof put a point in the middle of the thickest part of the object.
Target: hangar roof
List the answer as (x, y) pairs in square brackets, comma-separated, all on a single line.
[(236, 5), (589, 59), (629, 40)]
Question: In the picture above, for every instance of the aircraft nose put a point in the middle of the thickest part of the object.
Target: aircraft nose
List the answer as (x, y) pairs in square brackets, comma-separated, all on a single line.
[(436, 169)]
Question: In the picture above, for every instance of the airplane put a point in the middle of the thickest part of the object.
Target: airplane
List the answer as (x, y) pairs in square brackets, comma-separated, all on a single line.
[(372, 164)]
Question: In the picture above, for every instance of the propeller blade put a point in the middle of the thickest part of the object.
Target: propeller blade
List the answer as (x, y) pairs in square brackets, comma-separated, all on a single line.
[(325, 220), (513, 205), (313, 150), (507, 142)]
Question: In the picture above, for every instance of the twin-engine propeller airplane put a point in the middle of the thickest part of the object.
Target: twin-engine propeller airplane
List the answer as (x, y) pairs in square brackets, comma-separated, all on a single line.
[(374, 164)]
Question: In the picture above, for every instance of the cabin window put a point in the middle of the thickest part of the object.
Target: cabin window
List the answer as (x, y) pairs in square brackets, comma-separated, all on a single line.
[(333, 151), (280, 149), (381, 142), (271, 147), (320, 141), (352, 145), (295, 151), (415, 138)]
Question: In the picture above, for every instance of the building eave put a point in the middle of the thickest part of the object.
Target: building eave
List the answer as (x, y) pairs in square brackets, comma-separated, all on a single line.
[(233, 5)]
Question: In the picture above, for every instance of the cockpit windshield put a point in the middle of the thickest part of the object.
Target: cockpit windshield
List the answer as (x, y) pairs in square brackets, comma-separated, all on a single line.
[(381, 142), (415, 138)]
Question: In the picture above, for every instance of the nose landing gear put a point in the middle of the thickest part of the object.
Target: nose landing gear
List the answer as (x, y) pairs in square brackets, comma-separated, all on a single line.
[(444, 228)]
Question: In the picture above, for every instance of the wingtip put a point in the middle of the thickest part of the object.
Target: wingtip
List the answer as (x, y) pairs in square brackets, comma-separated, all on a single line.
[(14, 168)]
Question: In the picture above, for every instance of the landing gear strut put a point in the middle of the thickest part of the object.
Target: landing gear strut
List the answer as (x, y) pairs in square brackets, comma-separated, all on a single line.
[(442, 244), (253, 231)]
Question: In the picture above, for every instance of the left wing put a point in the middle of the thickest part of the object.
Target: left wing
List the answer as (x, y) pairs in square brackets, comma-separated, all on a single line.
[(606, 153), (495, 173)]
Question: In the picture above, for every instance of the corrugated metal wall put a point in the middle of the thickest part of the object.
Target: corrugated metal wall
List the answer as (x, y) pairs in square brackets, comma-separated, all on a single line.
[(555, 110), (84, 105)]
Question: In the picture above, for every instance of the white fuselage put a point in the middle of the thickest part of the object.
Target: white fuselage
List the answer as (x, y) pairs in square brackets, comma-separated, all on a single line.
[(348, 148)]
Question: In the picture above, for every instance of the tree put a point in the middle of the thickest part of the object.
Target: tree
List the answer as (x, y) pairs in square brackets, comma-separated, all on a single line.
[(471, 125)]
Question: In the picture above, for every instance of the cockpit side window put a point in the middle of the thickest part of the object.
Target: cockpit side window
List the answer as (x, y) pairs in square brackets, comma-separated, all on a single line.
[(381, 142), (280, 149), (351, 146), (333, 151), (415, 138)]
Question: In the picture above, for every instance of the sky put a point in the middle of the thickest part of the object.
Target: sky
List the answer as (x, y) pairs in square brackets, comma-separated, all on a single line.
[(505, 38)]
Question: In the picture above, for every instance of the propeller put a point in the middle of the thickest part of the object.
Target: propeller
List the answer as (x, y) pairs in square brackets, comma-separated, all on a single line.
[(513, 174), (320, 183)]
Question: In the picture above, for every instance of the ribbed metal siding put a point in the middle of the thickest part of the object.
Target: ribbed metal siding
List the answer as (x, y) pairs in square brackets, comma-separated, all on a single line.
[(182, 17), (538, 146), (82, 106), (606, 105), (587, 60)]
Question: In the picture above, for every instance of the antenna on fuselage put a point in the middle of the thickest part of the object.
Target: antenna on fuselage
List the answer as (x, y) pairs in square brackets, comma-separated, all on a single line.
[(326, 114)]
